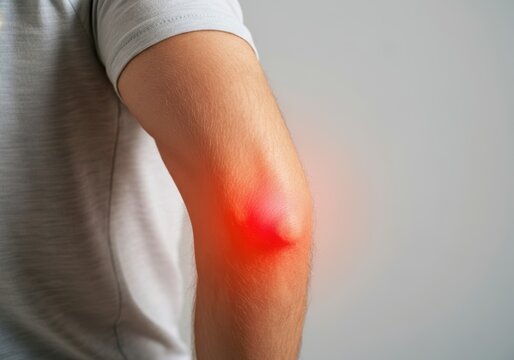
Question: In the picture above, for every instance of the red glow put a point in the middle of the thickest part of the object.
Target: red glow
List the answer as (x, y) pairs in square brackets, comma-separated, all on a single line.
[(264, 221)]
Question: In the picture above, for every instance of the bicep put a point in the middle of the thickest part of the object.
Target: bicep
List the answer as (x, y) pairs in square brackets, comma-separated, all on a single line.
[(194, 92)]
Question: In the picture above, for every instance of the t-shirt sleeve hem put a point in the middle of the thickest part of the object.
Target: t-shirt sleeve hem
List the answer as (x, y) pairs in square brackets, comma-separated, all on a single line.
[(161, 28)]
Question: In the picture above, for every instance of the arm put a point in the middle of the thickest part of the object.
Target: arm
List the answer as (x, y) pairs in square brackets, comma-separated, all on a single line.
[(205, 100)]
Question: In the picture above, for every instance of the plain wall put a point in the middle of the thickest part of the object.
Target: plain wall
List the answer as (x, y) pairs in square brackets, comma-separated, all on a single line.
[(403, 114)]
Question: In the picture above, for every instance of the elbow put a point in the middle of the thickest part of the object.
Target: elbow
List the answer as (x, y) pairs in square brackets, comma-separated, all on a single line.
[(272, 222)]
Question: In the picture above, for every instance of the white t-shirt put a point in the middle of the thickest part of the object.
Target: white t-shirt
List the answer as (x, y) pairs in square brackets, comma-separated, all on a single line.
[(89, 216)]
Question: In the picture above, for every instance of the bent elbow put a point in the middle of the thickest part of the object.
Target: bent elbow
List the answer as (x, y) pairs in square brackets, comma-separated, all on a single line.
[(272, 221)]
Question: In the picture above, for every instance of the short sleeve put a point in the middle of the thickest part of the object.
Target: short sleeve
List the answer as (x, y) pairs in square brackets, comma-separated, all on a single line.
[(124, 28)]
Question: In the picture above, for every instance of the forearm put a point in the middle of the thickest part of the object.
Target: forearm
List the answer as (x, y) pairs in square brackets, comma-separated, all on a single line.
[(252, 311), (251, 294)]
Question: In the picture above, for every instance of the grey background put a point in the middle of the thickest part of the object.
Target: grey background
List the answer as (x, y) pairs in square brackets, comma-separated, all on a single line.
[(403, 113)]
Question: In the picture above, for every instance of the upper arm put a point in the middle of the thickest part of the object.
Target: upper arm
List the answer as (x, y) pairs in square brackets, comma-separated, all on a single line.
[(205, 100), (195, 93)]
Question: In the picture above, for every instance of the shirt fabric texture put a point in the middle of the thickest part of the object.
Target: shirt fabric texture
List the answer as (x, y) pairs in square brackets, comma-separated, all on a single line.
[(89, 216)]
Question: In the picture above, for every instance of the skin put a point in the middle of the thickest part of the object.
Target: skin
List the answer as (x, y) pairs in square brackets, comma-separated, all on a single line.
[(205, 100)]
